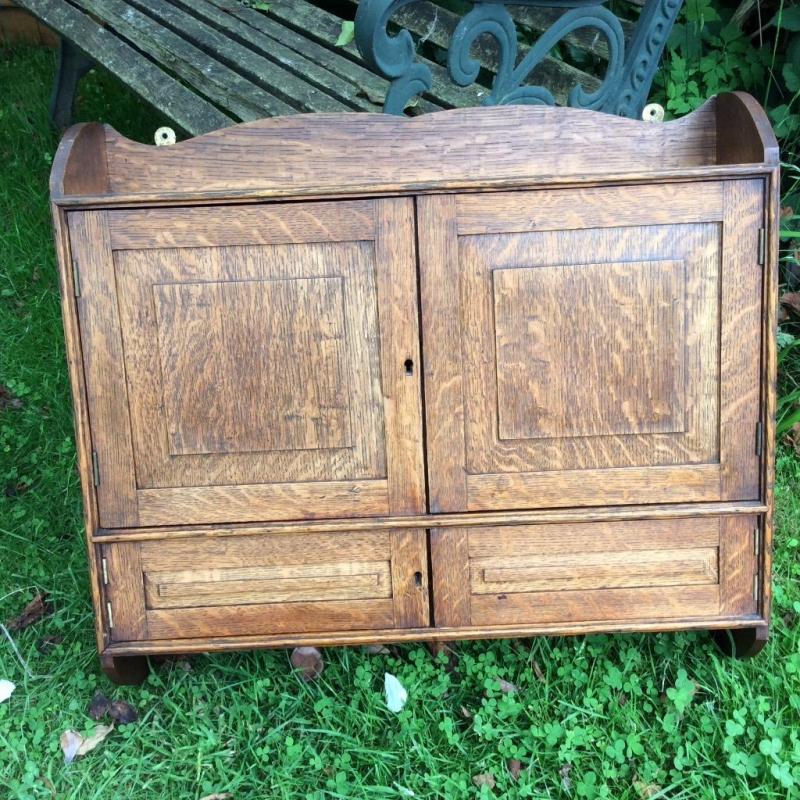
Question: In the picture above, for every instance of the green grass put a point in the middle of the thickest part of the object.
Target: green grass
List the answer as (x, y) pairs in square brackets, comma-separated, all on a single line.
[(615, 716)]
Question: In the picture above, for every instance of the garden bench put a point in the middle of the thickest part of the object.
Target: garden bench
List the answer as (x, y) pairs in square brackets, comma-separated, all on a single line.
[(207, 64)]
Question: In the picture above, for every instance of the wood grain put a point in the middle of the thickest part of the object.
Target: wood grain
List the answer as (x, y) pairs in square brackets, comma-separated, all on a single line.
[(624, 322), (148, 229), (104, 365), (444, 381), (124, 592), (601, 604), (740, 336), (738, 565), (601, 486), (278, 346), (490, 144), (451, 581)]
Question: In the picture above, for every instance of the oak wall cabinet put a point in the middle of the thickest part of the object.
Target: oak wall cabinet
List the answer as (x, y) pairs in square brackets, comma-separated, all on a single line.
[(487, 372)]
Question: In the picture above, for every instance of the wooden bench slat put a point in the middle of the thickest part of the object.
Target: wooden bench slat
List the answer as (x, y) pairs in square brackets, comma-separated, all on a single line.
[(323, 29), (243, 60), (361, 85), (189, 111), (205, 74), (587, 39), (436, 25), (291, 51)]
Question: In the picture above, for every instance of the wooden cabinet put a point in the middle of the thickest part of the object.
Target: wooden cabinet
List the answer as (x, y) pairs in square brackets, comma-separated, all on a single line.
[(353, 378)]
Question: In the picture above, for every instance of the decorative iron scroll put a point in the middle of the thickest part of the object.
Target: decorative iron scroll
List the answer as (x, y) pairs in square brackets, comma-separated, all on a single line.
[(623, 90)]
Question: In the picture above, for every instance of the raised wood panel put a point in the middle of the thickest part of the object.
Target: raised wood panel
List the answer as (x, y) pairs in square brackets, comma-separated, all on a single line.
[(249, 585), (570, 380), (624, 321), (269, 365), (261, 584), (277, 346), (607, 570)]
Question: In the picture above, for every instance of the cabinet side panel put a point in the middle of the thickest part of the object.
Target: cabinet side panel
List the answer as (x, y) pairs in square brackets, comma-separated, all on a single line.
[(81, 414)]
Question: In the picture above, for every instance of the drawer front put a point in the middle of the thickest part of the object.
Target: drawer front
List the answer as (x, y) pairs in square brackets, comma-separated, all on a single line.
[(644, 570), (592, 347), (266, 584), (249, 364)]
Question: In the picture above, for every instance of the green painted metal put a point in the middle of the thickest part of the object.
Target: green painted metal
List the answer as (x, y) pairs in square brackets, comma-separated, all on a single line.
[(623, 91)]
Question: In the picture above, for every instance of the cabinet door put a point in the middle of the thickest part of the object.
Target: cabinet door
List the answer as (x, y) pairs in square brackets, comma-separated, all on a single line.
[(251, 362), (635, 571), (592, 347), (281, 584)]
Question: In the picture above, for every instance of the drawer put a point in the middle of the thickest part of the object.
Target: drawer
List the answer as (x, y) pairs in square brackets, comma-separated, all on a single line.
[(637, 570), (259, 584)]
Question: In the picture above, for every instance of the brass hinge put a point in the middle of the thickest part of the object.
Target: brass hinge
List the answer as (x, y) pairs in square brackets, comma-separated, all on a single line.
[(757, 542), (756, 587), (110, 615), (95, 468), (759, 438), (762, 246), (105, 572), (76, 278)]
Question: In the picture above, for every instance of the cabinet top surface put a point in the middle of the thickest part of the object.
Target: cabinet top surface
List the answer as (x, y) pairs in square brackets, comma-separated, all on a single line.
[(335, 155)]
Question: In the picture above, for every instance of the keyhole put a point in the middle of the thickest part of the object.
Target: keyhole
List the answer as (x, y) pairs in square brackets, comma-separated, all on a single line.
[(409, 365), (418, 578)]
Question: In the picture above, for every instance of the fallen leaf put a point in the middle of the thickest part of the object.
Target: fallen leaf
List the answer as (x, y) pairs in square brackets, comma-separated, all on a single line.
[(8, 400), (791, 300), (347, 33), (6, 689), (786, 212), (396, 695), (537, 670), (484, 779), (646, 790), (622, 699), (99, 706), (466, 713), (74, 744), (309, 661), (70, 741), (507, 687), (32, 612), (218, 796), (514, 767), (377, 649), (123, 713)]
